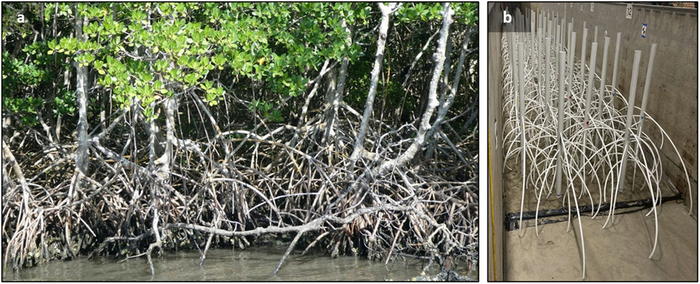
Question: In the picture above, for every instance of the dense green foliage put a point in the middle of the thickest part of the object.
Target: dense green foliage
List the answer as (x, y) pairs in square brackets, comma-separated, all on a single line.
[(146, 51)]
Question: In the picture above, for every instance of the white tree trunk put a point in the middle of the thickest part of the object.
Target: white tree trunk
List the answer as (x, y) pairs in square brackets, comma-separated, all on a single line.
[(165, 160), (439, 58), (81, 154), (152, 163), (328, 112), (446, 104), (378, 60), (81, 157), (337, 95)]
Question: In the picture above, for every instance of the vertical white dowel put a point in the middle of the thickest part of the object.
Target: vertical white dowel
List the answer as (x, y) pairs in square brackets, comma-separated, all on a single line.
[(570, 89), (560, 124), (547, 83), (646, 88), (595, 35), (563, 32), (630, 112), (601, 91), (512, 44), (614, 76), (532, 39), (521, 104), (568, 35), (587, 112), (557, 47), (572, 23), (570, 75), (583, 59), (521, 97), (540, 53)]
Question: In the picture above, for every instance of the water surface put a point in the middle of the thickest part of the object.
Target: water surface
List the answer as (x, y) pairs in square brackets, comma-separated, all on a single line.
[(251, 264)]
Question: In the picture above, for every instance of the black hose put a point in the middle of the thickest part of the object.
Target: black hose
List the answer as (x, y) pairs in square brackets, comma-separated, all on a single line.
[(512, 219)]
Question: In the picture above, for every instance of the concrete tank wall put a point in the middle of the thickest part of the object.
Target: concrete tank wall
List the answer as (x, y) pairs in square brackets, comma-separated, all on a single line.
[(495, 182), (673, 96)]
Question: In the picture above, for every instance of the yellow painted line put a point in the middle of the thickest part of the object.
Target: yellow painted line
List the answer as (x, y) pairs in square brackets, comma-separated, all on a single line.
[(493, 227)]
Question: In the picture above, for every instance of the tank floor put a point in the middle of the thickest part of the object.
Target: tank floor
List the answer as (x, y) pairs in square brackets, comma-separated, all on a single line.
[(618, 253)]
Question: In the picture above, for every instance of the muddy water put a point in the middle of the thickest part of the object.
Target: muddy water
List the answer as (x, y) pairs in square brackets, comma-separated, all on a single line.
[(252, 264)]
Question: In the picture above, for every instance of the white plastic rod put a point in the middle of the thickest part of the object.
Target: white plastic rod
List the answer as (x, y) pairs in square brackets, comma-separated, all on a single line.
[(532, 39), (568, 34), (560, 123), (565, 15), (521, 104), (642, 114), (514, 67), (563, 32), (532, 32), (646, 88), (547, 83), (586, 116), (568, 43), (572, 51), (594, 47), (630, 112), (583, 58), (544, 22), (570, 89), (572, 23), (601, 91), (556, 44), (595, 39), (539, 55), (556, 36), (521, 98), (514, 62), (528, 20), (617, 56), (573, 26), (595, 34)]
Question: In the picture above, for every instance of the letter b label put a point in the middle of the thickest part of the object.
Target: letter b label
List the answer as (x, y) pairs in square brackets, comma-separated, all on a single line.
[(507, 18)]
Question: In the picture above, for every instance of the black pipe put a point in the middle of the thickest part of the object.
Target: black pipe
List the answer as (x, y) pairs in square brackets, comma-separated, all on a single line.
[(512, 220)]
